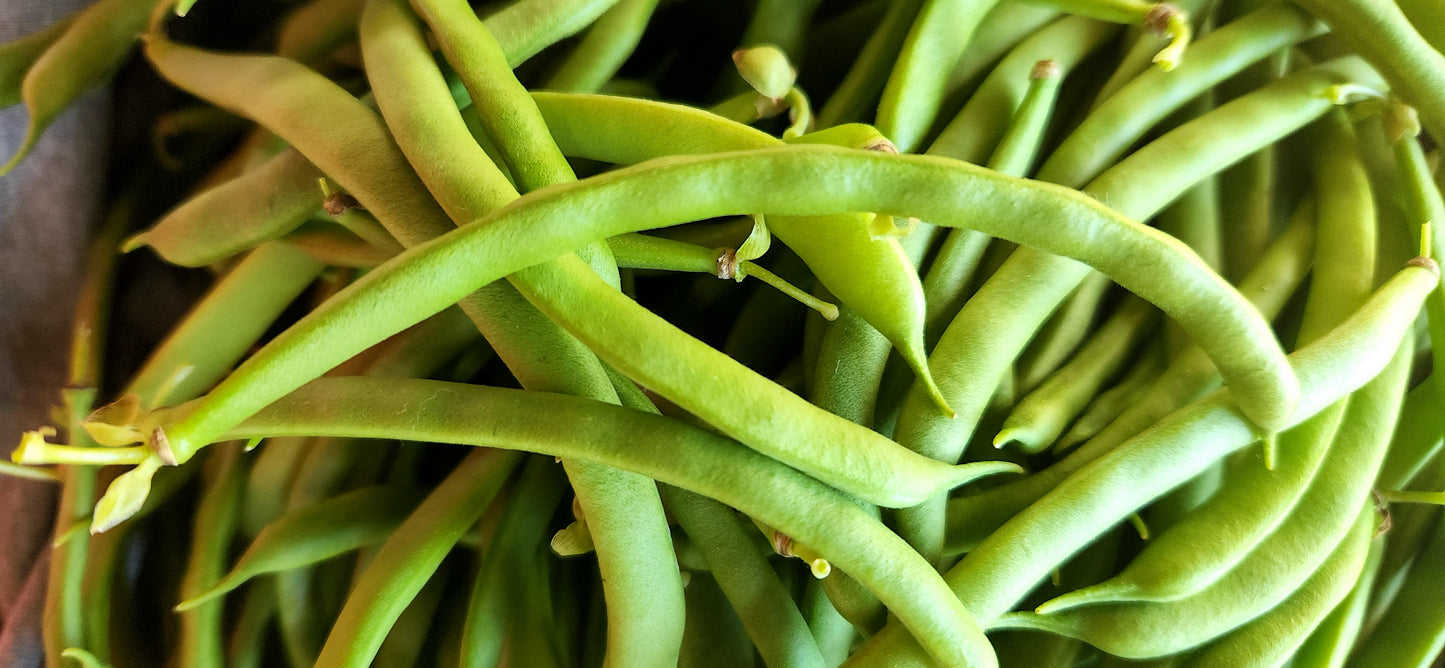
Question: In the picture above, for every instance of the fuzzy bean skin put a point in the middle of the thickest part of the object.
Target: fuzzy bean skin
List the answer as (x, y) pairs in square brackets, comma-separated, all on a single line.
[(997, 573), (257, 206), (86, 54), (660, 448), (1329, 644), (735, 183), (525, 28), (1272, 637)]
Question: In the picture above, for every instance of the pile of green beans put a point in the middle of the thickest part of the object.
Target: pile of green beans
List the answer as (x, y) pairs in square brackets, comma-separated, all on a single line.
[(1082, 332)]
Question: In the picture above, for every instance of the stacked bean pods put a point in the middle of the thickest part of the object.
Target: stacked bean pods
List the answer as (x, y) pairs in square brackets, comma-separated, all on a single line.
[(1083, 331)]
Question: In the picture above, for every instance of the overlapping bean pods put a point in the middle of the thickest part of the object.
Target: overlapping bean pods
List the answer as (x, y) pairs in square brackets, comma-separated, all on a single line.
[(945, 394)]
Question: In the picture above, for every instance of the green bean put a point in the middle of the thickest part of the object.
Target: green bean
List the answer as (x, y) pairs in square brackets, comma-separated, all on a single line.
[(973, 134), (914, 92), (1002, 568), (1379, 31), (1037, 420), (831, 631), (742, 572), (1062, 333), (1112, 403), (1161, 629), (627, 515), (411, 555), (865, 79), (1112, 128), (247, 645), (1410, 632), (697, 460), (405, 642), (85, 55), (1423, 205), (1424, 15), (202, 641), (1188, 376), (1031, 283), (525, 28), (1006, 25), (1330, 642), (1417, 438), (1156, 18), (312, 32), (314, 533), (715, 637), (878, 282), (1254, 501), (523, 523), (17, 56), (254, 207), (718, 187), (604, 48), (948, 278)]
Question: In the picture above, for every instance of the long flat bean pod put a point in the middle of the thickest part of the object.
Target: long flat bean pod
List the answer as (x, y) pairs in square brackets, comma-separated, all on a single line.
[(997, 573), (732, 184), (660, 448)]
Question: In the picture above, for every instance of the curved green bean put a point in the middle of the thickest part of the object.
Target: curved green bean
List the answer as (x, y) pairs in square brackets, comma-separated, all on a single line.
[(314, 533), (411, 555), (17, 56), (84, 55), (718, 185), (660, 448), (257, 206), (1001, 569)]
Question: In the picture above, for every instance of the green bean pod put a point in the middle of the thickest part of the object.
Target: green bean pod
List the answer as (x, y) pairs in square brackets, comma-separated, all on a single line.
[(1112, 403), (252, 208), (974, 134), (1001, 569), (1189, 375), (1037, 420), (1155, 630), (411, 554), (660, 448), (1379, 31), (865, 79), (604, 48), (914, 92), (730, 547), (1274, 636), (202, 639), (314, 533), (1120, 121), (17, 56), (85, 55), (749, 182), (1331, 641), (1410, 632)]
